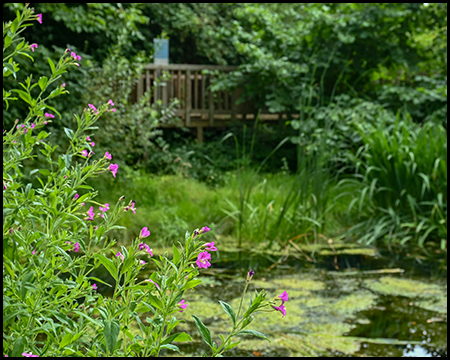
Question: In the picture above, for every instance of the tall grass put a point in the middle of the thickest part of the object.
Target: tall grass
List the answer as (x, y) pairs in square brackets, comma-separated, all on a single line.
[(402, 184)]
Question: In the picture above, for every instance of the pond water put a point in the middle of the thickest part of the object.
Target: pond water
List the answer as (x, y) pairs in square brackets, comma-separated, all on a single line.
[(352, 304), (365, 310)]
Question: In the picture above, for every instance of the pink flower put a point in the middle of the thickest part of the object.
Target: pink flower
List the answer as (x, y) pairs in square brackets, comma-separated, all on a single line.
[(113, 110), (281, 309), (64, 85), (121, 256), (284, 297), (39, 18), (84, 153), (33, 46), (76, 247), (33, 126), (25, 131), (110, 102), (202, 260), (76, 197), (91, 213), (143, 262), (204, 230), (144, 233), (113, 168), (183, 306), (108, 156), (104, 209), (49, 116), (133, 209), (143, 246), (210, 246), (150, 280), (29, 354), (92, 144), (88, 138), (92, 106), (94, 286), (33, 252)]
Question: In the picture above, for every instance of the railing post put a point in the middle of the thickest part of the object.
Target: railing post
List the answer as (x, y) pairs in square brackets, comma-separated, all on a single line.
[(140, 87), (188, 98), (211, 103)]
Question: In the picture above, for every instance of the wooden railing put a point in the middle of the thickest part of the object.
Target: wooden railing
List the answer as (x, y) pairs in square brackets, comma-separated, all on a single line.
[(199, 106)]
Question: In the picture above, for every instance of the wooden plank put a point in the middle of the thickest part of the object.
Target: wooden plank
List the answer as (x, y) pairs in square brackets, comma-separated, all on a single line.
[(155, 88), (147, 80), (200, 134), (140, 87), (164, 89), (219, 100), (196, 90), (211, 103), (172, 85), (190, 67), (179, 89), (203, 96), (225, 95), (188, 98), (234, 96)]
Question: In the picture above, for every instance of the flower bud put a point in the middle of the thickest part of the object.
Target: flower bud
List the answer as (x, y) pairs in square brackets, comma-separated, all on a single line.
[(250, 275)]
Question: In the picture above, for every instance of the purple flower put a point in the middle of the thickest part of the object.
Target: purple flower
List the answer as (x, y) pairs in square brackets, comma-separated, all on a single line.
[(121, 256), (29, 354), (92, 144), (110, 102), (133, 209), (150, 280), (39, 18), (94, 286), (250, 275), (143, 246), (88, 138), (202, 260), (144, 233), (204, 229), (33, 125), (113, 168), (284, 297), (47, 115), (108, 156), (76, 197), (104, 209), (76, 247), (64, 85), (33, 252), (281, 309), (143, 262), (92, 107), (84, 153), (33, 46), (210, 246), (25, 131), (91, 213), (183, 306)]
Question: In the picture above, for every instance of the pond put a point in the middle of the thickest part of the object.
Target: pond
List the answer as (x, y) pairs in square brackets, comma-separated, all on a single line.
[(350, 302), (364, 310)]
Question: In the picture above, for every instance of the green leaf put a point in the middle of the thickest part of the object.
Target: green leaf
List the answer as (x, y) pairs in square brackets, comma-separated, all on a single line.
[(9, 67), (112, 329), (170, 347), (65, 340), (180, 337), (23, 95), (108, 264), (52, 65), (19, 346), (69, 133), (229, 310), (232, 345), (176, 255), (253, 332), (155, 301), (43, 80), (191, 284), (203, 330)]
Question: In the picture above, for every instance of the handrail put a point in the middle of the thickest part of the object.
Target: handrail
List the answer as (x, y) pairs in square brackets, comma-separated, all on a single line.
[(192, 67)]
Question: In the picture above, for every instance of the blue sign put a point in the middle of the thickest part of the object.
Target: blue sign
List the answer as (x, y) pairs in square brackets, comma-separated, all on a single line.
[(161, 55)]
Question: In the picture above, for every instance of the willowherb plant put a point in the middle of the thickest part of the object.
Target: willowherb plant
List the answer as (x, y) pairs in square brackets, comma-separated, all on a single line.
[(54, 238)]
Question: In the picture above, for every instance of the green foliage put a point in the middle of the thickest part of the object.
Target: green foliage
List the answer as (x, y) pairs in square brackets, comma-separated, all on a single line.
[(402, 169)]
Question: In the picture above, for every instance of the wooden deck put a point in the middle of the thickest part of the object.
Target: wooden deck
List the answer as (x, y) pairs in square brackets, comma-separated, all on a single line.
[(199, 106)]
